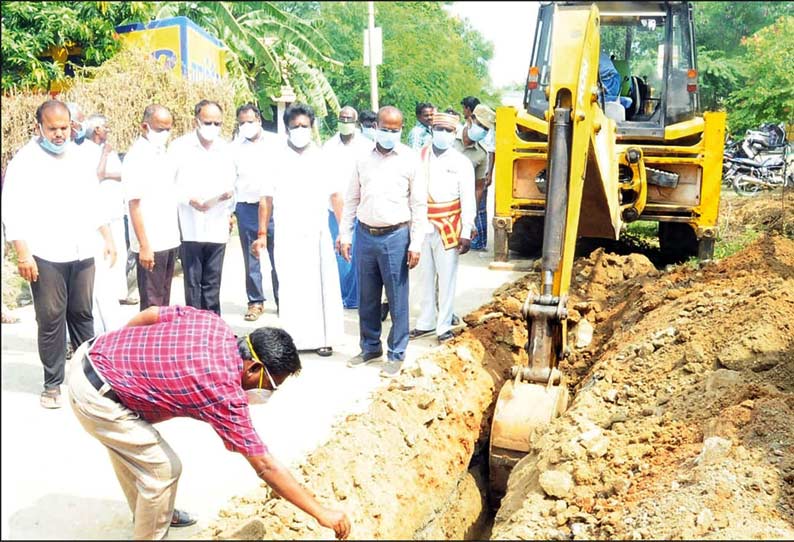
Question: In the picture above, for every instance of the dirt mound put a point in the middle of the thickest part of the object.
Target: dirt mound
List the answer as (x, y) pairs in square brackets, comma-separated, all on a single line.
[(401, 470), (683, 421)]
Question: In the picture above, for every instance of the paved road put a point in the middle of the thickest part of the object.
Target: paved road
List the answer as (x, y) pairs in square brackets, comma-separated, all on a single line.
[(57, 482)]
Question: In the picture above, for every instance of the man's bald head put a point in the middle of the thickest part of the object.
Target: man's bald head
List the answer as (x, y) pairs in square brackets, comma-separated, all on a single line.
[(388, 114), (155, 110), (51, 105)]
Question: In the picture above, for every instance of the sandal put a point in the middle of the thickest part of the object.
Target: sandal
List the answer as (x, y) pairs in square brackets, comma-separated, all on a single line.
[(416, 333), (9, 318), (181, 519), (254, 312), (325, 351), (50, 398)]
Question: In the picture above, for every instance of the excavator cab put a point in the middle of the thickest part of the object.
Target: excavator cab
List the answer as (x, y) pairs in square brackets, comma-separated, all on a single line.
[(610, 133), (651, 45)]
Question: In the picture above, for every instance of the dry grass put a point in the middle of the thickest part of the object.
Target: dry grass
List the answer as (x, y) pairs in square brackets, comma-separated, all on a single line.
[(120, 89)]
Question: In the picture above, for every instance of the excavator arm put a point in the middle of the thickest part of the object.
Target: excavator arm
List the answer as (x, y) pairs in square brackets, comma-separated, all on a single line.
[(579, 160)]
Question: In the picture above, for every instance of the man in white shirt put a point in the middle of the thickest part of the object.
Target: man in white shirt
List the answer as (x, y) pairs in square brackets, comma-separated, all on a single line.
[(342, 150), (51, 215), (205, 176), (148, 180), (254, 151), (390, 201), (299, 194), (110, 283), (450, 212), (78, 133)]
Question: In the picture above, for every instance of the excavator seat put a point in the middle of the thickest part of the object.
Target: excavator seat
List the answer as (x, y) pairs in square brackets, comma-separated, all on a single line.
[(628, 87)]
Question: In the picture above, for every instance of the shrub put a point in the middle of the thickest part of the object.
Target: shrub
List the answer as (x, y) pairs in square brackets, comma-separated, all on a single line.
[(120, 89)]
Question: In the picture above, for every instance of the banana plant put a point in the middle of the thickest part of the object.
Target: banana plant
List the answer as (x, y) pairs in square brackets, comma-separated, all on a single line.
[(267, 48)]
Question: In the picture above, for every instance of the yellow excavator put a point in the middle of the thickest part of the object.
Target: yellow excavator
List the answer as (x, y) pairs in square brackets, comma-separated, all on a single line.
[(610, 133)]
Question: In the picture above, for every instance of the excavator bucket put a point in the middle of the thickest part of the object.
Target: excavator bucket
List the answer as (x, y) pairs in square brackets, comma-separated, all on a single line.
[(521, 408)]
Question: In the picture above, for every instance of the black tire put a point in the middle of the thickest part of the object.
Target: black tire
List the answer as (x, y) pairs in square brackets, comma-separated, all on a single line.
[(744, 188), (527, 236), (677, 241)]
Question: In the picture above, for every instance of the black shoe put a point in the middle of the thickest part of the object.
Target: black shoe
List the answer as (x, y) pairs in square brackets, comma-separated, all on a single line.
[(416, 333), (455, 320), (325, 351), (363, 358), (384, 311), (444, 337)]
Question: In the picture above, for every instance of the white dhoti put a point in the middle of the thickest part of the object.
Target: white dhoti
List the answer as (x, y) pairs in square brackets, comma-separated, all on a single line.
[(310, 300), (119, 270), (110, 283), (436, 260)]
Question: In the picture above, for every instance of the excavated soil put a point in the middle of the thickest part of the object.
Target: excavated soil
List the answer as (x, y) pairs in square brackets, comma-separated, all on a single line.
[(681, 426), (683, 422)]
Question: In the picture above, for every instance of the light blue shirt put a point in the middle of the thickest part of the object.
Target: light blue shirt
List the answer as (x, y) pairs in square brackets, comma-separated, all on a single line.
[(419, 136)]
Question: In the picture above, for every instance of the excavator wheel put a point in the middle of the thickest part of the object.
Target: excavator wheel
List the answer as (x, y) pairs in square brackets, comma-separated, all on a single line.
[(527, 236), (522, 409), (677, 241)]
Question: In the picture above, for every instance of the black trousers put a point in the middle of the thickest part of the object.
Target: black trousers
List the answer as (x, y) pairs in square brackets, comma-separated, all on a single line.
[(62, 297), (154, 286), (202, 264)]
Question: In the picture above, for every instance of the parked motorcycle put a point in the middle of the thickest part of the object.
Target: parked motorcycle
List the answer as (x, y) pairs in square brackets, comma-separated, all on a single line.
[(762, 160)]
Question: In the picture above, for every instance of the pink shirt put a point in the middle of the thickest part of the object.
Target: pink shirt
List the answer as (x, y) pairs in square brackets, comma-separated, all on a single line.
[(187, 364)]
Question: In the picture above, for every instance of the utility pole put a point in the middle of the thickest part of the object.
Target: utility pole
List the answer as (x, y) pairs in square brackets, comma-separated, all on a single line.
[(373, 68)]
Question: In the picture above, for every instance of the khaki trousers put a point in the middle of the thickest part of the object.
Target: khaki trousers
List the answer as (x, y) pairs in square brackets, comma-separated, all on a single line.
[(146, 466)]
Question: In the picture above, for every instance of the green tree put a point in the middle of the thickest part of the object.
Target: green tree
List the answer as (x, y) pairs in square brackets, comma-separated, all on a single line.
[(720, 28), (428, 56), (31, 29), (268, 48), (768, 58)]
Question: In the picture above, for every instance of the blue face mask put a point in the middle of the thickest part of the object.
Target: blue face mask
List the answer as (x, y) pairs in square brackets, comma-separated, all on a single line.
[(388, 140), (476, 132), (368, 132), (49, 146), (79, 135)]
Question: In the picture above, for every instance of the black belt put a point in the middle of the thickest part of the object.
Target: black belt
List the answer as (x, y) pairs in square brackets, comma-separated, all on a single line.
[(96, 380), (383, 230)]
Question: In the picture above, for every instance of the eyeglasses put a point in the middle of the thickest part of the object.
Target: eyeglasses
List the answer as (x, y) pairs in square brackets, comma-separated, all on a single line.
[(390, 130), (208, 123)]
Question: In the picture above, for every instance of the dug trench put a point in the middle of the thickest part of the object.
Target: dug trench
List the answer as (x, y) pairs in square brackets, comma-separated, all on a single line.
[(681, 422)]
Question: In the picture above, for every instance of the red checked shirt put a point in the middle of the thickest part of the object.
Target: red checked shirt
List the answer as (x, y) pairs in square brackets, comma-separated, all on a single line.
[(187, 364)]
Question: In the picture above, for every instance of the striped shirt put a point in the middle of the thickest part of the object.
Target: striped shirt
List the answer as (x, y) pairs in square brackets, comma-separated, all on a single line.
[(187, 364)]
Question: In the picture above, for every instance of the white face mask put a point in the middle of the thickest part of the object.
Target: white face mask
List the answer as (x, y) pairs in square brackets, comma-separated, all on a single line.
[(158, 139), (300, 136), (442, 139), (209, 132), (258, 397), (249, 130)]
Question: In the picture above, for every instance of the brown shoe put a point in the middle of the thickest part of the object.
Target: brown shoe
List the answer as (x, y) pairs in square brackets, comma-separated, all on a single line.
[(255, 310)]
